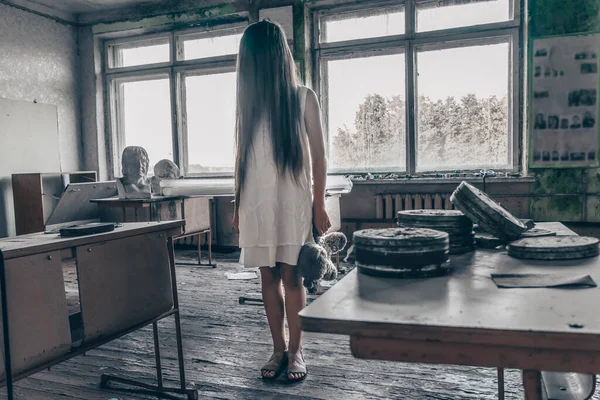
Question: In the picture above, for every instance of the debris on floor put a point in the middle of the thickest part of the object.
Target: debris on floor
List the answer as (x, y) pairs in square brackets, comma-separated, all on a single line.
[(241, 276)]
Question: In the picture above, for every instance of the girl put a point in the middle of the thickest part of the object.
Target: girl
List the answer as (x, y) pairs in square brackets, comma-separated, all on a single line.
[(278, 140)]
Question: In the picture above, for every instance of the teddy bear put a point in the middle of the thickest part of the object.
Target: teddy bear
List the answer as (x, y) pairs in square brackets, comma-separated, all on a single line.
[(314, 261)]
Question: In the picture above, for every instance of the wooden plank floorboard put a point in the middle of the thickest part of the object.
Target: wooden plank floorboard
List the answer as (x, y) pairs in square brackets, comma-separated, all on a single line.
[(225, 344)]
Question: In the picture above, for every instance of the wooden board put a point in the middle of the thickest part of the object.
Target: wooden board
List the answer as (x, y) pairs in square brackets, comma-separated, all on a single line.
[(75, 205), (36, 243), (332, 205), (38, 318), (29, 211), (123, 283), (29, 137), (196, 212), (466, 306)]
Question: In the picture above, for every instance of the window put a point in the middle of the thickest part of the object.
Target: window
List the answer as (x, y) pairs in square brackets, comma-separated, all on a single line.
[(348, 26), (366, 112), (195, 46), (146, 113), (141, 52), (210, 117), (460, 110), (174, 95), (433, 15), (426, 87)]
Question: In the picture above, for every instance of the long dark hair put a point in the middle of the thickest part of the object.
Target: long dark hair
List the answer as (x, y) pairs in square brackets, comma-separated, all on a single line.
[(267, 88)]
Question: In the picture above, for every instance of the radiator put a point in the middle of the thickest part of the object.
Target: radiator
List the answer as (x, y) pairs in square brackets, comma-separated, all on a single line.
[(387, 205)]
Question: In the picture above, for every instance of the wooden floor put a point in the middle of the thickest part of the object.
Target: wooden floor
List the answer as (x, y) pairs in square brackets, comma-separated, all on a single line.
[(225, 344)]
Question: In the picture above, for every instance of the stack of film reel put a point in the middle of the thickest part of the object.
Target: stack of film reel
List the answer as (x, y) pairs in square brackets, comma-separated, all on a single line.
[(453, 222), (487, 213), (402, 252)]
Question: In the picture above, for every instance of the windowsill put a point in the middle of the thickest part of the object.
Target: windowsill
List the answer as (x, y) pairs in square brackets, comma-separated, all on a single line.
[(418, 180), (439, 180)]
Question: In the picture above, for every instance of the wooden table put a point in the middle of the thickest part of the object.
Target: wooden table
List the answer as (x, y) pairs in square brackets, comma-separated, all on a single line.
[(126, 280), (194, 210), (464, 319)]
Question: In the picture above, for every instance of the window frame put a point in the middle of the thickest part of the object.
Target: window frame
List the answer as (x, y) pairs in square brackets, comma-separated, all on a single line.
[(346, 54), (175, 70), (412, 41)]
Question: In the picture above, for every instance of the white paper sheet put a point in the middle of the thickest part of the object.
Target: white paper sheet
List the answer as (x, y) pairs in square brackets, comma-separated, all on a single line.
[(565, 102)]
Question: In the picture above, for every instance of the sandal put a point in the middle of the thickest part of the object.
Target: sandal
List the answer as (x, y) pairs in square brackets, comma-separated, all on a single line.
[(296, 365), (276, 364)]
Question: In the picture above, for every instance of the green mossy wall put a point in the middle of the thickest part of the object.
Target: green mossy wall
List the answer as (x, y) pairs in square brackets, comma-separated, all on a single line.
[(567, 195)]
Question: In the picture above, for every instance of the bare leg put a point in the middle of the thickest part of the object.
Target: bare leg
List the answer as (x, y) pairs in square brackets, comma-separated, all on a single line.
[(273, 300), (295, 300)]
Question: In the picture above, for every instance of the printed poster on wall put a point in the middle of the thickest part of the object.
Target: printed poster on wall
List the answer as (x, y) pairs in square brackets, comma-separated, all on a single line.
[(564, 103)]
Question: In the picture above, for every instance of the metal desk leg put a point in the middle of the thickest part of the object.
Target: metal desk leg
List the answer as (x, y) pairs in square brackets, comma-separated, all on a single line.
[(191, 394), (5, 331), (199, 236), (208, 234), (159, 378), (209, 241)]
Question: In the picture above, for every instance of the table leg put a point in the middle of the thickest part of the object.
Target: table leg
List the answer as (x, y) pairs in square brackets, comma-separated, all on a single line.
[(159, 377), (176, 315), (209, 234), (199, 238), (532, 383), (500, 383)]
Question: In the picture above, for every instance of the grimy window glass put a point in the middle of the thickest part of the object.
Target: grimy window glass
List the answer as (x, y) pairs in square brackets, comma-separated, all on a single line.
[(452, 88)]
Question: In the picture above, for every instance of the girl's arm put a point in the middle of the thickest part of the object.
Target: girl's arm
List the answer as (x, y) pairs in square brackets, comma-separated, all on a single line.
[(312, 119)]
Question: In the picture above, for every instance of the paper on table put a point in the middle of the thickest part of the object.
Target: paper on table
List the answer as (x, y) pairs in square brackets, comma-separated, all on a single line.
[(564, 101), (241, 275), (543, 281)]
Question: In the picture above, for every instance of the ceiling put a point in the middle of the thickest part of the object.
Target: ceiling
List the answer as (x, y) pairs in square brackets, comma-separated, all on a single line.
[(90, 12), (90, 6)]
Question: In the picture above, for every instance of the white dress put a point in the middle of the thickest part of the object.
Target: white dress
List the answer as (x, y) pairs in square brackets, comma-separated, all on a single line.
[(275, 212)]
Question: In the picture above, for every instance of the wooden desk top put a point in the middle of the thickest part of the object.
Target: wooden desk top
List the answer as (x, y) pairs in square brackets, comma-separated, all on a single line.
[(117, 202), (35, 243), (466, 306)]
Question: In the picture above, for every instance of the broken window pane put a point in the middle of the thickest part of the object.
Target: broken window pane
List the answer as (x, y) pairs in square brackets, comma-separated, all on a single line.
[(362, 25), (210, 102), (146, 115), (445, 14), (366, 113), (463, 99)]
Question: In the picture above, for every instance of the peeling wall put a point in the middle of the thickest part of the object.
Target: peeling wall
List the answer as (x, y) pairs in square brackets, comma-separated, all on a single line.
[(568, 195), (39, 62)]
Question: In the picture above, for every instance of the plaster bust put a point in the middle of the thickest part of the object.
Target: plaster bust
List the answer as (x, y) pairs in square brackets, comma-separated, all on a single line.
[(134, 164), (164, 169)]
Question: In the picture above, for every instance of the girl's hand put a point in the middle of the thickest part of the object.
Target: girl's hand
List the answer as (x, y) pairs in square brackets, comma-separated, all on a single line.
[(321, 219)]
